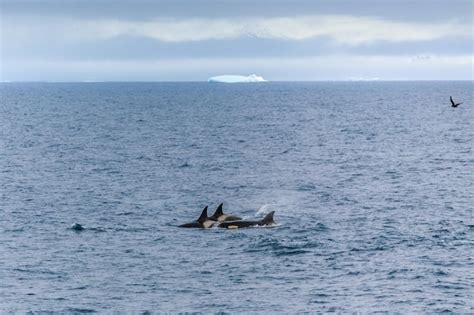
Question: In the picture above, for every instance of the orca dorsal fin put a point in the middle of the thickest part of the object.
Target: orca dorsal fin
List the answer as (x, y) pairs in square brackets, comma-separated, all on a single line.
[(268, 219), (203, 216), (219, 211)]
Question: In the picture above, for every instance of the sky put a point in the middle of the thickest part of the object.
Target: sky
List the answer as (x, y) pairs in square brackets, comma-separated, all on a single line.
[(177, 40)]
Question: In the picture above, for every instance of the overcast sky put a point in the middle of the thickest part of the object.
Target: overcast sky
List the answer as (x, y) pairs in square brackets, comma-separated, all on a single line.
[(125, 40)]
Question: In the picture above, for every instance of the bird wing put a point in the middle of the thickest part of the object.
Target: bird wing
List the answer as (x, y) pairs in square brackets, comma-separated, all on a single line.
[(452, 102)]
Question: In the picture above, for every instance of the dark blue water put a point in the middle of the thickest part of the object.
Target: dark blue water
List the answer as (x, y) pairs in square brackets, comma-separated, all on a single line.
[(372, 184)]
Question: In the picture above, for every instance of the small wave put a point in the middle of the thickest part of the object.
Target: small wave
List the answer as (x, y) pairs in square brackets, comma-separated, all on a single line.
[(80, 288), (371, 249), (277, 247), (185, 164), (395, 271), (320, 227), (306, 187), (125, 213), (15, 230), (83, 229), (131, 229), (79, 311), (143, 158), (98, 230), (39, 271), (291, 252)]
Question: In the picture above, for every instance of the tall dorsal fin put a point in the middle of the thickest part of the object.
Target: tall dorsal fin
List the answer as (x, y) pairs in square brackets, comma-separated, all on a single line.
[(268, 219), (219, 211), (203, 216)]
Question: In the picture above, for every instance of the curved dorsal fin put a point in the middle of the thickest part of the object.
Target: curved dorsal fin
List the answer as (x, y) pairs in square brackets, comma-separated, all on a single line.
[(219, 211), (203, 216), (268, 219)]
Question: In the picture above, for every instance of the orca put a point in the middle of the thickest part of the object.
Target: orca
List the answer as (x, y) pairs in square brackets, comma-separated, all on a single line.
[(267, 220), (453, 104), (202, 222), (220, 216)]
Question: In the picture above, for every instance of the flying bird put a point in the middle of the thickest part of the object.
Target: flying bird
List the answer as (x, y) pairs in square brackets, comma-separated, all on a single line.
[(452, 102)]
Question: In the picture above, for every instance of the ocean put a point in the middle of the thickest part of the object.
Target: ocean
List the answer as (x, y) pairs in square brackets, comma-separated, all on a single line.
[(372, 184)]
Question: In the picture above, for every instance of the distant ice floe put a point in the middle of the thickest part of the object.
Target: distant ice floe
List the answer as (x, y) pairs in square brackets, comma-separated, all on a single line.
[(362, 79), (227, 78)]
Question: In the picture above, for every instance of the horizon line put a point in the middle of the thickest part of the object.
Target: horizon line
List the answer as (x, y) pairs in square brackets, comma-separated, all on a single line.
[(205, 81)]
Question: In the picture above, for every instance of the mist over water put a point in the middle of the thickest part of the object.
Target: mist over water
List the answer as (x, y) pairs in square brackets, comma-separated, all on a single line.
[(372, 184)]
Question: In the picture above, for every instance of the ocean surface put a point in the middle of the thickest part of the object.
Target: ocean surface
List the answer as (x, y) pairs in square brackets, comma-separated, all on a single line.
[(372, 184)]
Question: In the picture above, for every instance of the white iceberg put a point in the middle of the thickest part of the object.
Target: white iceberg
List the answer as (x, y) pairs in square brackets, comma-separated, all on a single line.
[(229, 78), (363, 79)]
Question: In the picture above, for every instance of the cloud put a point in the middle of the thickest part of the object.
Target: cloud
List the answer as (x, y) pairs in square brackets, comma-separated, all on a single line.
[(342, 29)]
